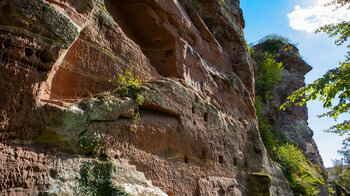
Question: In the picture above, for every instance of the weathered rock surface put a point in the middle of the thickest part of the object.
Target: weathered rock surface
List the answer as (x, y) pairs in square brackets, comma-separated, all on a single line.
[(292, 123), (182, 143), (198, 132)]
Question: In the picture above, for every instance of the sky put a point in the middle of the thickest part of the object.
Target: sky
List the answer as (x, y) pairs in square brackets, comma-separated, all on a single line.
[(297, 20)]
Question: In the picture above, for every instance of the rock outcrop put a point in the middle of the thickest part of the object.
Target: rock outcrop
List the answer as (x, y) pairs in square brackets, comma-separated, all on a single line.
[(292, 123), (197, 134)]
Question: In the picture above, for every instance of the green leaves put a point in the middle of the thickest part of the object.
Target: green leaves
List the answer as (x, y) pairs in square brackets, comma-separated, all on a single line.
[(90, 143), (270, 73), (332, 87), (129, 86), (341, 29), (96, 178), (293, 164)]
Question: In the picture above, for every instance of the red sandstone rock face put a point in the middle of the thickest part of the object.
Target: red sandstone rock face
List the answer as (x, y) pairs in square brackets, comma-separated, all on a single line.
[(198, 134), (292, 123)]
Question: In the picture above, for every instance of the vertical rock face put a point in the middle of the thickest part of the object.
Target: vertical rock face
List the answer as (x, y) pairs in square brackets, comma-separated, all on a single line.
[(198, 131), (292, 123)]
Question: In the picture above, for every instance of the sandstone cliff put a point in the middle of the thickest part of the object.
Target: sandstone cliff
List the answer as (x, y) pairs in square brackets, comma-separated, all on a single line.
[(198, 132), (291, 123)]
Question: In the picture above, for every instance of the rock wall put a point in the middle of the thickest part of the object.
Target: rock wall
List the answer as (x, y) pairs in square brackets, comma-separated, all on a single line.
[(198, 131), (292, 123)]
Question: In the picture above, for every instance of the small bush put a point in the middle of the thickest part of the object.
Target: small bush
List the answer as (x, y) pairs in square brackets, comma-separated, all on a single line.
[(128, 86), (90, 143), (293, 164), (269, 74), (344, 178), (272, 43), (96, 179)]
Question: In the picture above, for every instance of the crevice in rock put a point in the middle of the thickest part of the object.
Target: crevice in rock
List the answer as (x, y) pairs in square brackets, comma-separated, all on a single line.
[(204, 155), (150, 33), (152, 107), (221, 159), (234, 161), (186, 159), (28, 52), (205, 117)]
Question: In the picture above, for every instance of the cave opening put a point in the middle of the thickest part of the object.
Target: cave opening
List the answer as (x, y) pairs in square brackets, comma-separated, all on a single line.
[(142, 24)]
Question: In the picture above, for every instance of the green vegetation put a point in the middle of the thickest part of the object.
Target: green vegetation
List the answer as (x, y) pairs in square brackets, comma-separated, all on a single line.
[(333, 88), (268, 135), (269, 74), (90, 143), (340, 173), (344, 178), (96, 174), (129, 86), (273, 43), (292, 161), (296, 168), (96, 179)]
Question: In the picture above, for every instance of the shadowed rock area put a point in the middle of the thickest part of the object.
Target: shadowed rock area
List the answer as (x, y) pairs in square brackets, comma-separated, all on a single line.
[(197, 133)]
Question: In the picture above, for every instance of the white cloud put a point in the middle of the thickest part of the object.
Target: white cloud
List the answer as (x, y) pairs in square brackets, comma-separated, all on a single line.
[(310, 18)]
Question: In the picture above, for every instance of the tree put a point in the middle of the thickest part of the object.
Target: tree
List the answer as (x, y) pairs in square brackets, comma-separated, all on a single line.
[(333, 88)]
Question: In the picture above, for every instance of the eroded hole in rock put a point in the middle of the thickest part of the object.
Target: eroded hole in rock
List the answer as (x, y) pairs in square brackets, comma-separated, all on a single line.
[(205, 117), (204, 154), (245, 165), (221, 159), (28, 52), (258, 151), (234, 161), (6, 45), (186, 158), (193, 110), (37, 54), (4, 56), (53, 173), (36, 168), (221, 192), (196, 99), (145, 25), (46, 57), (20, 100)]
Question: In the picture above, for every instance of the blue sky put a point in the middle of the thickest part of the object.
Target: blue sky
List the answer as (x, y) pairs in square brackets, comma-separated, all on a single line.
[(296, 20)]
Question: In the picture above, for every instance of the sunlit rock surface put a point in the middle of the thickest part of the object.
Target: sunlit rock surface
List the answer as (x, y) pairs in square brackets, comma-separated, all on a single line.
[(197, 134)]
